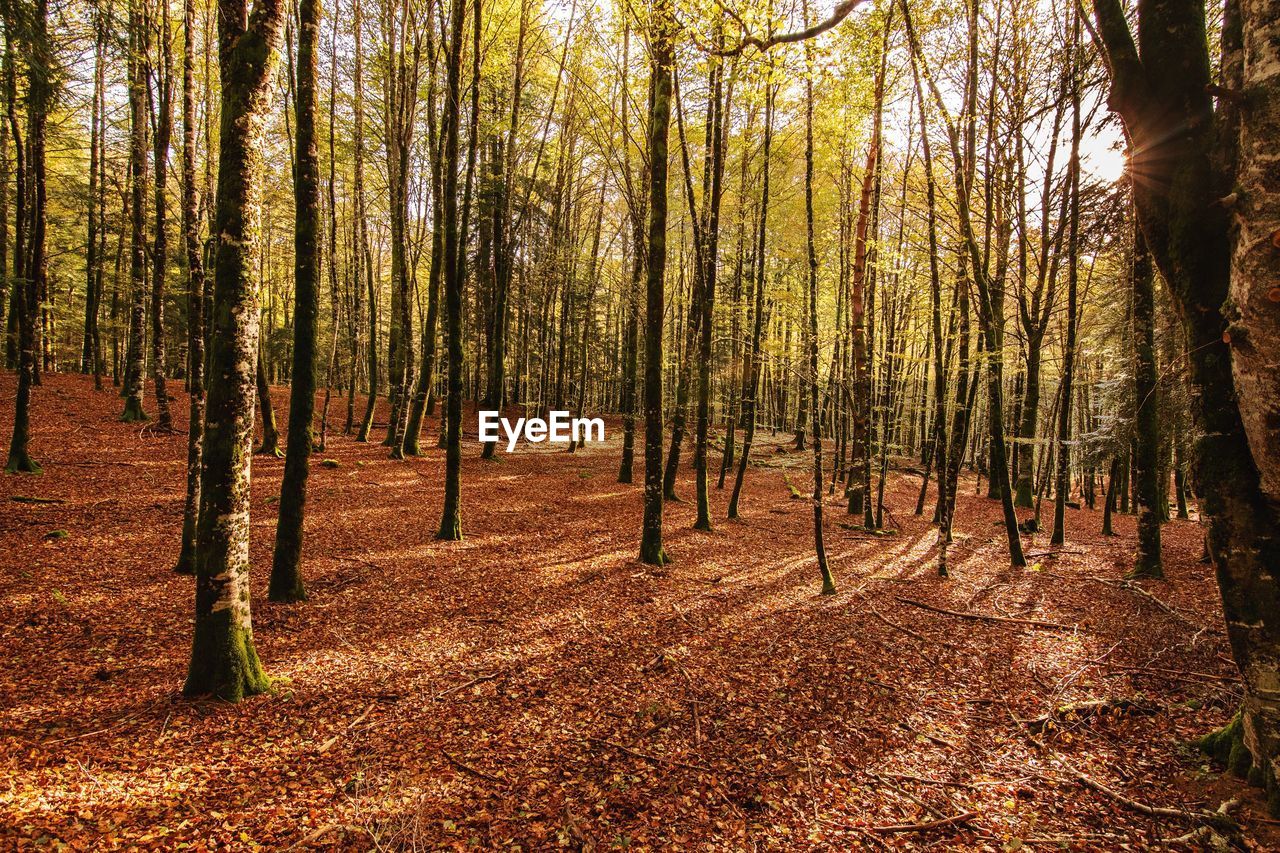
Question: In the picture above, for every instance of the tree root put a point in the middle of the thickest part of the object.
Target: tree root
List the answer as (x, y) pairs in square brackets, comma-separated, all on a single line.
[(1227, 747)]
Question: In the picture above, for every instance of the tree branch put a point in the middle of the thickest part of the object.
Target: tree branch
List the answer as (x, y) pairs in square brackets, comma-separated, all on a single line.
[(841, 12)]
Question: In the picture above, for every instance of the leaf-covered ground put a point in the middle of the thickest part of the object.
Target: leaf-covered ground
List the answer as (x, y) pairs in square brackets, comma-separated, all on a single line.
[(534, 686)]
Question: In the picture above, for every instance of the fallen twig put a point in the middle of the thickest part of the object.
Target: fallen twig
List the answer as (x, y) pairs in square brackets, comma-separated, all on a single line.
[(327, 745), (1219, 818), (656, 759), (982, 617), (964, 817), (462, 765), (490, 676), (903, 628)]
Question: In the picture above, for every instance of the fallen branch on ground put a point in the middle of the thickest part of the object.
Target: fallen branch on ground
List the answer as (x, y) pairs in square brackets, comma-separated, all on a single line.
[(982, 617), (925, 825), (1092, 708), (1220, 818), (656, 759)]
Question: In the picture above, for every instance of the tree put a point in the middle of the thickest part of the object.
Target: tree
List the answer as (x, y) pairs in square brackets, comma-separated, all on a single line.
[(828, 581), (1187, 153), (30, 261), (160, 244), (1073, 275), (286, 565), (196, 285), (454, 273), (139, 45), (711, 248), (223, 659), (972, 255), (364, 258), (636, 210), (751, 382), (90, 357), (1146, 458), (661, 55)]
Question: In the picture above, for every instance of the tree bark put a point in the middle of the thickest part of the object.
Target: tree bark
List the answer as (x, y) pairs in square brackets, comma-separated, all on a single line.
[(160, 240), (135, 359), (1182, 204), (195, 300), (454, 269), (661, 46), (286, 567), (223, 659)]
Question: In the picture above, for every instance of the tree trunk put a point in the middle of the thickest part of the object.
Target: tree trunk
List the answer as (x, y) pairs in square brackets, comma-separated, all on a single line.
[(160, 244), (286, 566), (454, 269), (1147, 563), (815, 419), (223, 659), (135, 359), (1058, 536), (195, 300), (711, 249), (751, 388), (661, 39), (1183, 206), (29, 262)]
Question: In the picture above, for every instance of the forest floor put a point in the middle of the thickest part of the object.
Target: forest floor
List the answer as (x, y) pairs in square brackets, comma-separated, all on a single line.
[(535, 686)]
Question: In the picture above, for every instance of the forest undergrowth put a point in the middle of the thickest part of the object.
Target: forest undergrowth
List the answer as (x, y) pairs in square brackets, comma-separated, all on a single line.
[(536, 686)]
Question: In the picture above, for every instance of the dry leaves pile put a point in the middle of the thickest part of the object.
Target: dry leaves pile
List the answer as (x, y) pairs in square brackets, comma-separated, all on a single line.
[(534, 686)]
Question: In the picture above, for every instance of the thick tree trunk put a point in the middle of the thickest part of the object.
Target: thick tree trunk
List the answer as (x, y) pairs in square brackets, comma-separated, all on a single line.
[(1183, 203), (223, 659)]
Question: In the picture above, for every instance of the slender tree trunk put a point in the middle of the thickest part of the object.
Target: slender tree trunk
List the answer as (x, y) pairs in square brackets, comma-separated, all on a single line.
[(195, 299), (286, 566), (707, 308), (270, 433), (661, 46), (636, 209), (815, 425), (88, 354), (333, 241), (454, 269), (751, 388), (160, 244), (364, 257), (1147, 563), (29, 264), (135, 359)]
